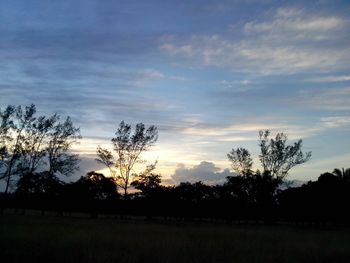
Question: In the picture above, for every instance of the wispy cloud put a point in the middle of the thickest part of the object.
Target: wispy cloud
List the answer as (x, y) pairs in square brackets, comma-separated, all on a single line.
[(330, 79), (292, 41), (332, 99), (335, 122), (299, 21), (248, 130)]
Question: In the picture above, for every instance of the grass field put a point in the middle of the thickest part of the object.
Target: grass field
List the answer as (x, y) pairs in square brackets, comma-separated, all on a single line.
[(63, 239)]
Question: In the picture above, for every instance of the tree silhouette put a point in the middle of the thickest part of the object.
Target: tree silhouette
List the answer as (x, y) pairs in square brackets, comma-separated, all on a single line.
[(127, 148), (343, 174), (259, 190), (147, 181), (30, 146), (33, 149), (276, 157), (14, 122), (38, 183), (95, 186), (241, 160), (60, 140)]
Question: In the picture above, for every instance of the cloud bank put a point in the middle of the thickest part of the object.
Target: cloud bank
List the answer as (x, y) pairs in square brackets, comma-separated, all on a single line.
[(205, 171)]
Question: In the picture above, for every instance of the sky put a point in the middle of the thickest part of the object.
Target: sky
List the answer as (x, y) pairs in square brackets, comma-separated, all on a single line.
[(208, 74)]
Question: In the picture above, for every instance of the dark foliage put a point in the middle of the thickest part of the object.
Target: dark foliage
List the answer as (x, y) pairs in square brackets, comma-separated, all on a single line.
[(34, 151), (35, 146), (253, 197)]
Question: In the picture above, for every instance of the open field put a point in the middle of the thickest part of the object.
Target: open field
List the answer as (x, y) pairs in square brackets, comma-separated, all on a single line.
[(63, 239)]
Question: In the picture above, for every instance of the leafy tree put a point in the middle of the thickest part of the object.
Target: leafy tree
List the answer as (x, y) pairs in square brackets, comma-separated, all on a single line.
[(96, 186), (193, 192), (5, 138), (31, 145), (39, 183), (60, 140), (241, 161), (343, 174), (277, 157), (147, 181), (14, 124), (260, 189), (127, 148), (33, 149)]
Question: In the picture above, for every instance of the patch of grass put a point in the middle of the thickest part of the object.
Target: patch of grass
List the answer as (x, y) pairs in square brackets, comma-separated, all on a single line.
[(62, 239)]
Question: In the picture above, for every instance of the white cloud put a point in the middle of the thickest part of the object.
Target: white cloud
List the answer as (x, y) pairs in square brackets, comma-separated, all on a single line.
[(205, 171), (235, 131), (297, 21), (247, 130), (292, 41), (335, 122), (151, 74), (330, 79)]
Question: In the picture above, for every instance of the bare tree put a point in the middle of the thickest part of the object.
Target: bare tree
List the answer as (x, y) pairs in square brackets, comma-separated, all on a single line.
[(127, 149), (277, 157)]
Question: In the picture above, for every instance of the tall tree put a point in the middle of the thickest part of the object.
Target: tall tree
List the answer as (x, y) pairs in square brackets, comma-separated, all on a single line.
[(31, 145), (60, 140), (15, 122), (241, 161), (277, 157), (5, 138), (35, 139), (127, 148)]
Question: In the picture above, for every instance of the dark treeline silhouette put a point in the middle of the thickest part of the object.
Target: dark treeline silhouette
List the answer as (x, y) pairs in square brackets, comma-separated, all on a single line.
[(241, 198), (35, 153)]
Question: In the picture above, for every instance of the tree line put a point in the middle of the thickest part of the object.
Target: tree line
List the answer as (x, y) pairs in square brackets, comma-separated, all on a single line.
[(35, 152)]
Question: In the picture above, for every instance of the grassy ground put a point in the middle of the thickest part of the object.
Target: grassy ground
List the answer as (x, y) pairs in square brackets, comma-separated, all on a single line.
[(57, 239)]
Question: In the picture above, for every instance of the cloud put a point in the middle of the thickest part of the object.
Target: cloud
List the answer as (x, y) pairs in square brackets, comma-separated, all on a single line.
[(151, 74), (229, 130), (297, 21), (330, 79), (95, 94), (205, 171), (247, 129), (335, 122), (292, 41), (331, 99)]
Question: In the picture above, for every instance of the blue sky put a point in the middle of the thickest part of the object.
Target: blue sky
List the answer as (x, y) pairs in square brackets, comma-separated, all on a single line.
[(209, 74)]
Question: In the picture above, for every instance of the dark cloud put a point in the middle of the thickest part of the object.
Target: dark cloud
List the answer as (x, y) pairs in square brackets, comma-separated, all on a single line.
[(205, 171)]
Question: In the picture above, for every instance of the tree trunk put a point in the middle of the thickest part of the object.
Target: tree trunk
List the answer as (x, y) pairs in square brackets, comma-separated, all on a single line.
[(7, 184)]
